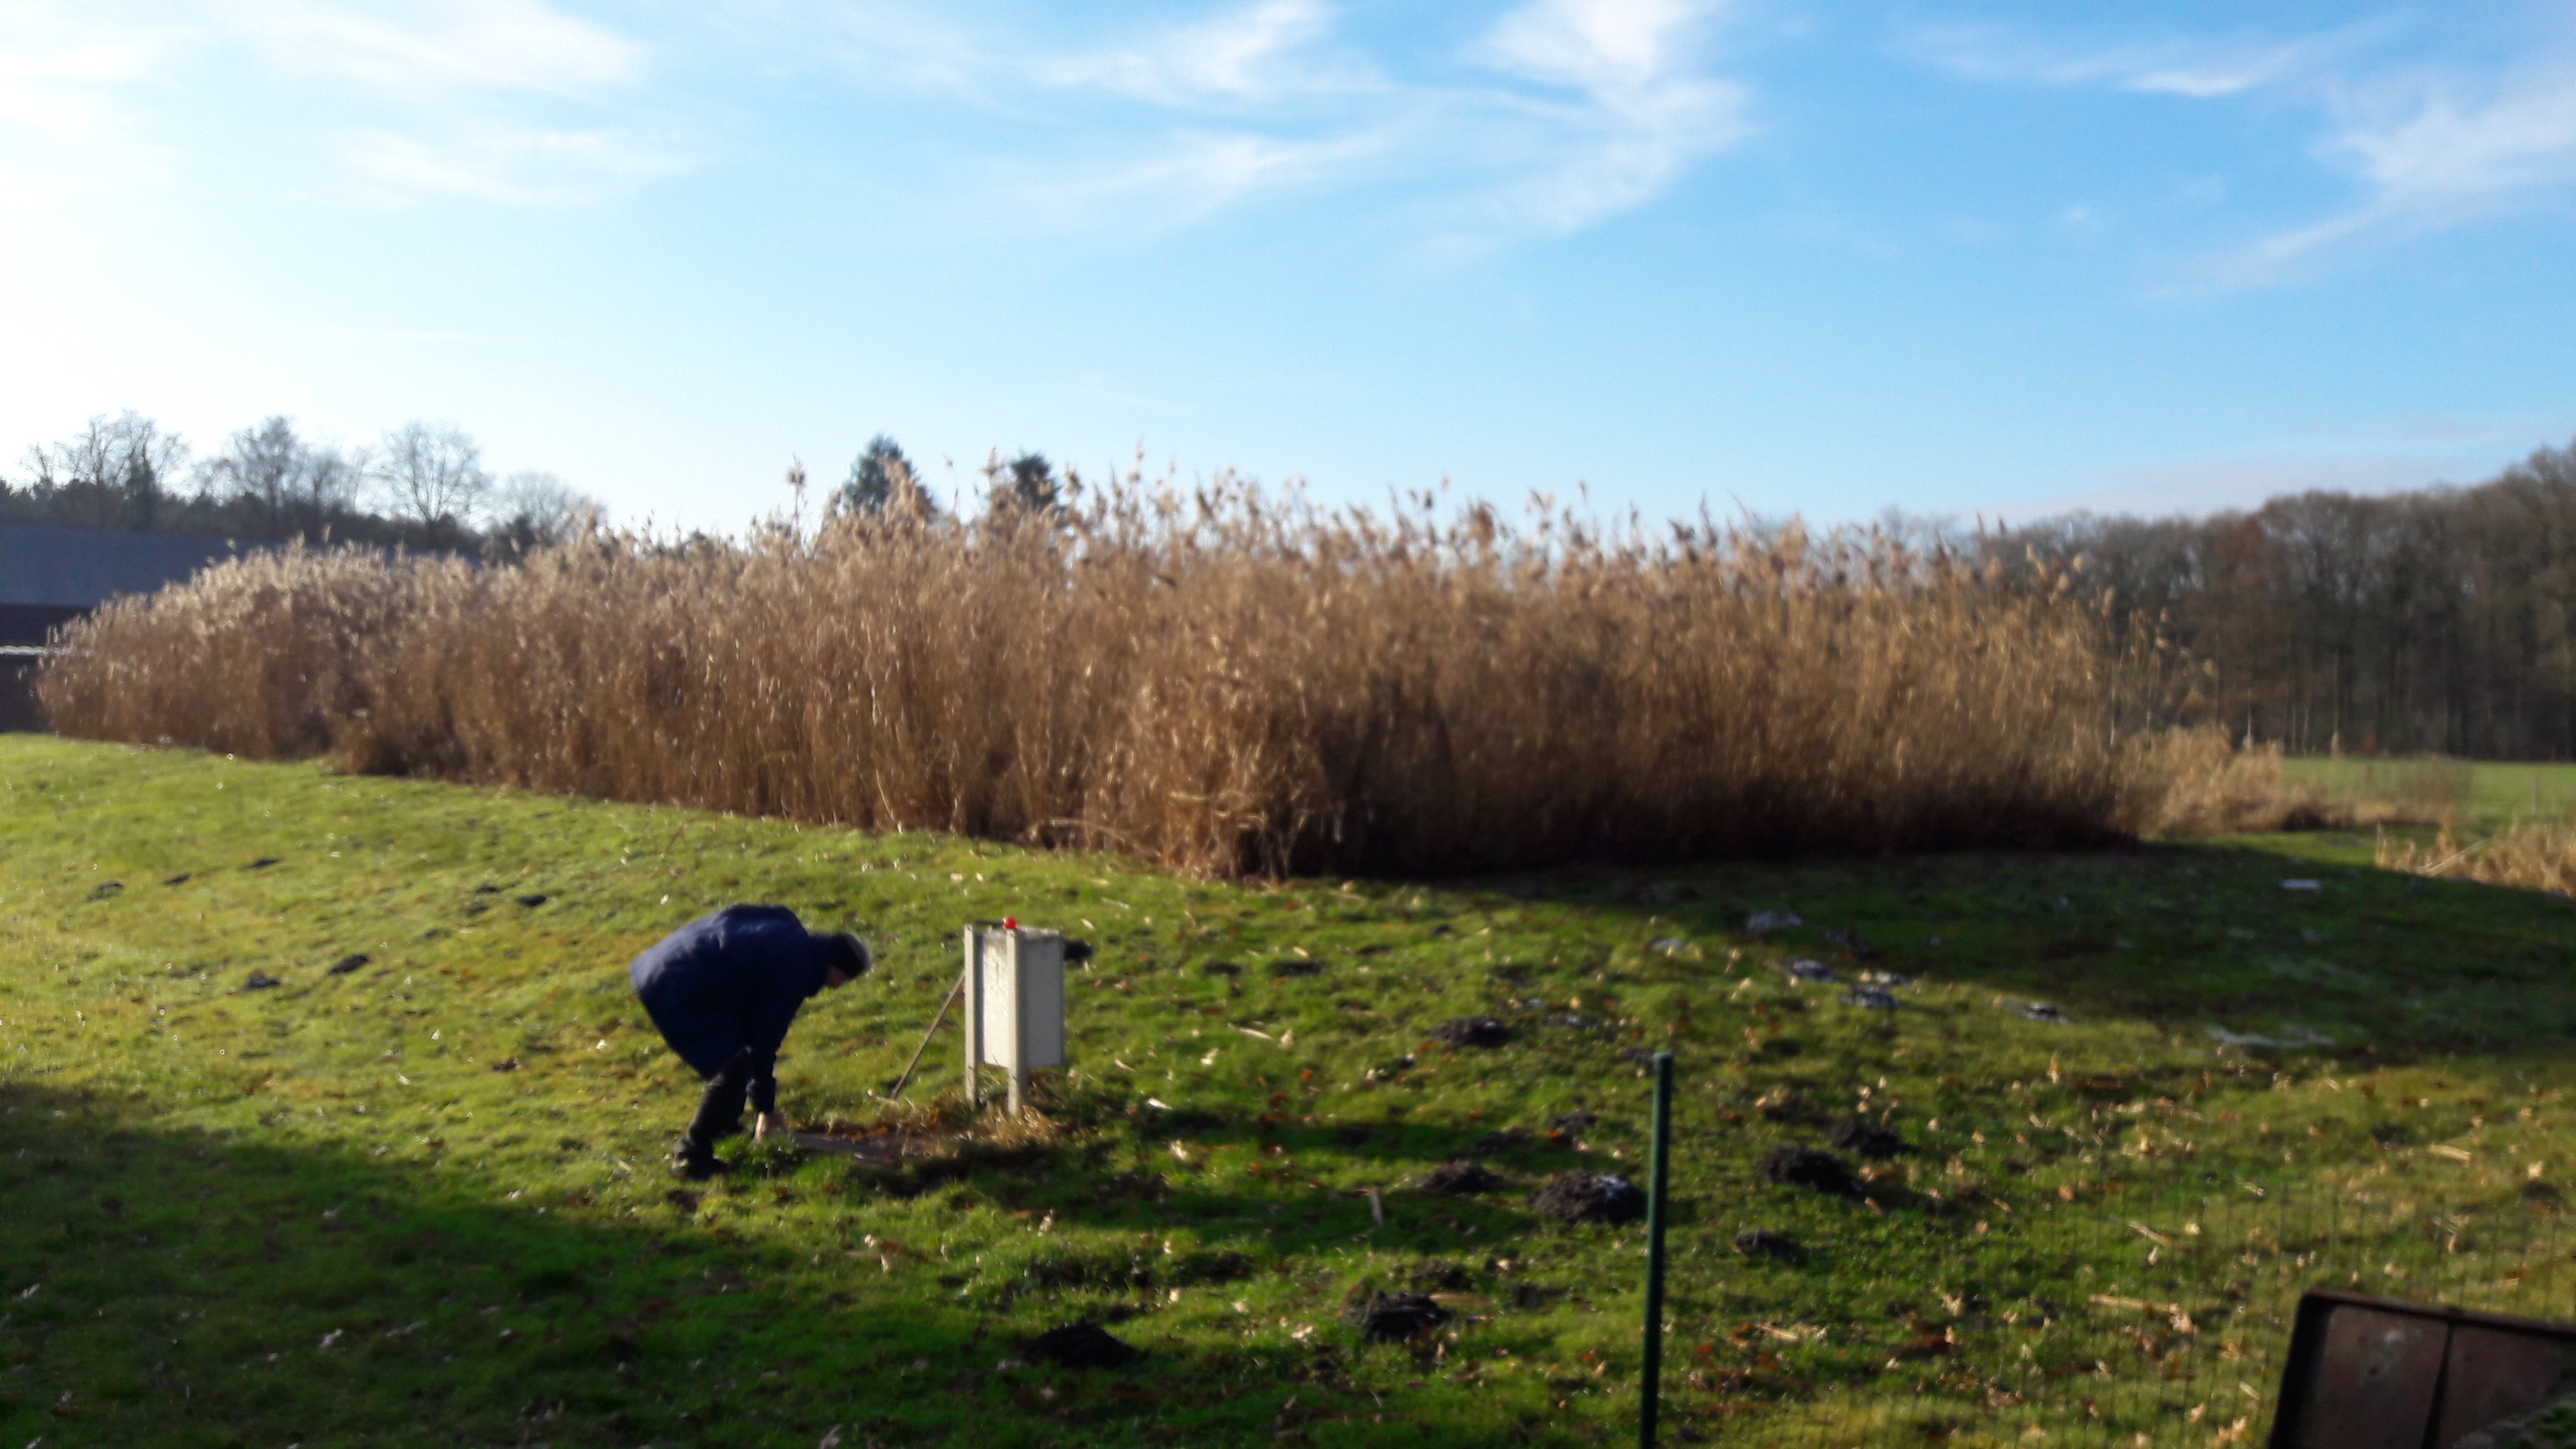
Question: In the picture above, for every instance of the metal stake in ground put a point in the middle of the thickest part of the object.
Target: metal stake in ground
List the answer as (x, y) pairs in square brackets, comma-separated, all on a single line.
[(1650, 1380), (894, 1089)]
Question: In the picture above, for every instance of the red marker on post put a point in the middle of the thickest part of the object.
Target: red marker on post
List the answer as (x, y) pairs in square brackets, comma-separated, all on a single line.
[(1010, 923)]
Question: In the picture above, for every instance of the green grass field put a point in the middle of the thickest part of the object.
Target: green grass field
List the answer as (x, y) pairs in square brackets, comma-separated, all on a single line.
[(2480, 794), (420, 1202)]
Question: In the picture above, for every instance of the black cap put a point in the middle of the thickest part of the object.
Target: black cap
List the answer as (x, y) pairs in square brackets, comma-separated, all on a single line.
[(847, 954)]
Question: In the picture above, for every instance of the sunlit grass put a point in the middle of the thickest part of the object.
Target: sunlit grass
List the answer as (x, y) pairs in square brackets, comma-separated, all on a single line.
[(338, 1155)]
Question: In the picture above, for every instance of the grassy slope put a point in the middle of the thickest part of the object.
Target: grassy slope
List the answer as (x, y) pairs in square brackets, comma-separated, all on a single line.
[(316, 1214)]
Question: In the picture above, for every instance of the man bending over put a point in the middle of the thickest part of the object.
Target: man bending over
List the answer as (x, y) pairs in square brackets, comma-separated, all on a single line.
[(723, 990)]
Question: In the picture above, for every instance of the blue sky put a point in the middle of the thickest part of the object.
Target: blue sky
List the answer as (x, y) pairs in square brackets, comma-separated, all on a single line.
[(1945, 257)]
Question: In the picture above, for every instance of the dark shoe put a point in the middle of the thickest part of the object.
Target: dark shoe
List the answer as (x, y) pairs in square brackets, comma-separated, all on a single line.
[(693, 1163)]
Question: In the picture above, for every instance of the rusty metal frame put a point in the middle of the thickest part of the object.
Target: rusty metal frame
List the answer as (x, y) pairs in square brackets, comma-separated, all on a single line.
[(2380, 1373)]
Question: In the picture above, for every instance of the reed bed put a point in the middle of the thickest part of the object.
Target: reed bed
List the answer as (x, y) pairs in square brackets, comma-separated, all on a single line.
[(2207, 785), (2537, 855), (1225, 683)]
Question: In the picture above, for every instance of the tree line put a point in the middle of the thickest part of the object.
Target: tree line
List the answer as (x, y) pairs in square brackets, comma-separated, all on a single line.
[(422, 485), (2437, 621)]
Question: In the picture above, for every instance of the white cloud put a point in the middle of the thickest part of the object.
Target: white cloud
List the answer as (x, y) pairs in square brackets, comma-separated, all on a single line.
[(507, 166), (1557, 115), (1196, 176), (73, 82), (2430, 152), (1643, 111), (2193, 69), (1608, 47), (2428, 146), (503, 45), (455, 98), (2457, 149), (1252, 54), (882, 44), (60, 83)]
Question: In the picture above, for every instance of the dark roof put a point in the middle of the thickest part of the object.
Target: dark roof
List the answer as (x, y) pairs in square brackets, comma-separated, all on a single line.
[(81, 568)]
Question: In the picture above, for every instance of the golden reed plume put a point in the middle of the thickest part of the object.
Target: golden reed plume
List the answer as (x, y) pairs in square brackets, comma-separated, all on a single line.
[(1223, 683)]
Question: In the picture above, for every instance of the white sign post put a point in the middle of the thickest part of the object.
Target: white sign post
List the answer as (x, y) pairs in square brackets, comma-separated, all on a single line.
[(1014, 1005)]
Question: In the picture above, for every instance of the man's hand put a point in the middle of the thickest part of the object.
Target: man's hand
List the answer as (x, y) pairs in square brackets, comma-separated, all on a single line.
[(768, 1124)]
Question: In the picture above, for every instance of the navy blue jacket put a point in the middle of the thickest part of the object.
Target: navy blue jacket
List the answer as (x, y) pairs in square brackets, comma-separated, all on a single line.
[(729, 983)]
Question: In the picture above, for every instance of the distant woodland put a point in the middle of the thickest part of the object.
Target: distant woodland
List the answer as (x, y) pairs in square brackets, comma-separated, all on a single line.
[(2436, 621), (422, 485)]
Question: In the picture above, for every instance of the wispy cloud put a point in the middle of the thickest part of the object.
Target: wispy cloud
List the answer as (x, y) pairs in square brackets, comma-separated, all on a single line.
[(1259, 53), (1546, 117), (503, 45), (1554, 116), (2430, 150), (511, 102), (1607, 47), (1644, 110), (58, 79), (511, 166), (2197, 69), (1196, 176), (2427, 146), (72, 83)]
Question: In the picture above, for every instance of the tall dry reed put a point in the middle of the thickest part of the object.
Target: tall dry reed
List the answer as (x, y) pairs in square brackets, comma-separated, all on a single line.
[(2204, 784), (1223, 683), (2536, 855)]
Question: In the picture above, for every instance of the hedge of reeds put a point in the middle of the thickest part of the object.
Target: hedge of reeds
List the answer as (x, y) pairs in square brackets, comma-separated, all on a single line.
[(1223, 683)]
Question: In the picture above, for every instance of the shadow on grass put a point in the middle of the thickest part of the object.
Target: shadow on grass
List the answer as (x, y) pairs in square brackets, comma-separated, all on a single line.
[(177, 1288)]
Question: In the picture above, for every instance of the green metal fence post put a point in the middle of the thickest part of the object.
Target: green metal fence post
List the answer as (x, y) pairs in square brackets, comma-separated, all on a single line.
[(1650, 1381)]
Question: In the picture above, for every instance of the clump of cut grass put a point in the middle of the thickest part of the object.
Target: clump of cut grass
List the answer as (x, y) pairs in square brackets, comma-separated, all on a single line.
[(2535, 855), (1226, 683)]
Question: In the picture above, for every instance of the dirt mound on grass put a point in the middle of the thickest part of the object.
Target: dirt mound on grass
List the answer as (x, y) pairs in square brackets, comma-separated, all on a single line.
[(1439, 1275), (1590, 1197), (1459, 1179), (1471, 1031), (1764, 1243), (1083, 1345), (1808, 1168), (1868, 1139), (1389, 1316)]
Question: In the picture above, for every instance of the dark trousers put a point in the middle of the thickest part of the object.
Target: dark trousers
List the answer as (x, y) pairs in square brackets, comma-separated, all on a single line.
[(720, 1105)]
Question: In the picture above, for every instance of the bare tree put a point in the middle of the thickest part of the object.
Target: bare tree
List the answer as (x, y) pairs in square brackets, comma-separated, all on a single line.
[(328, 484), (532, 509), (264, 473), (114, 473), (432, 475)]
